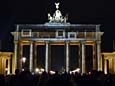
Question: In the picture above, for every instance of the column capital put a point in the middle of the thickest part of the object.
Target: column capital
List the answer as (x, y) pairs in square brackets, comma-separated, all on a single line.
[(98, 27), (82, 41), (46, 42), (31, 41), (67, 41), (98, 42), (15, 41)]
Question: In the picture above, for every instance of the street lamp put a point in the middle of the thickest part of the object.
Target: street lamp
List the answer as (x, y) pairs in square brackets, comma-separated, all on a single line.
[(23, 63), (24, 59)]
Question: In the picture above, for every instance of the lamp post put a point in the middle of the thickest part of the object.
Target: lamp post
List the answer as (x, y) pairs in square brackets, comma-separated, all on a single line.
[(23, 63)]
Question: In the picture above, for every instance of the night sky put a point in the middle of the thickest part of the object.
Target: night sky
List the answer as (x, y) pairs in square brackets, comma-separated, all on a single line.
[(35, 11)]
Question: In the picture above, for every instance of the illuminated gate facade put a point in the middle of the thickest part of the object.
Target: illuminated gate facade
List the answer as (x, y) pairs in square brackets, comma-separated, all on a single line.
[(57, 32)]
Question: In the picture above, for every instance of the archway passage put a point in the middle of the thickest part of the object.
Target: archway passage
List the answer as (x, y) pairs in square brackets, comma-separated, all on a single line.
[(41, 56), (26, 54), (89, 58), (57, 58), (74, 63)]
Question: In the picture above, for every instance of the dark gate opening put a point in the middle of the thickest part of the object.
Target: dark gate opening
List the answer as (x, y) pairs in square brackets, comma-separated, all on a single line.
[(57, 58), (74, 49)]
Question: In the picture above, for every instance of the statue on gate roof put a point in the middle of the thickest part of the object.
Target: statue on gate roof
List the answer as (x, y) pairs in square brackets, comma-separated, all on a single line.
[(57, 5), (57, 16)]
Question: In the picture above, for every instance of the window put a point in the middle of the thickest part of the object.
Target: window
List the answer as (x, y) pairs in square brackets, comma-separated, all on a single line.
[(60, 33), (26, 33), (71, 34)]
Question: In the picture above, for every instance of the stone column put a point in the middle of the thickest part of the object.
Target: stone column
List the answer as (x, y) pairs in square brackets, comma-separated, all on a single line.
[(79, 56), (67, 56), (46, 58), (35, 56), (49, 57), (4, 66), (83, 58), (94, 57), (9, 65), (102, 62), (99, 58), (0, 65), (110, 65), (105, 66), (113, 63), (31, 57), (20, 55), (15, 65)]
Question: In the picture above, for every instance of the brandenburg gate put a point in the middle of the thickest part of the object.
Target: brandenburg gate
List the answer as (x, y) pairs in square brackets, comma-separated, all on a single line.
[(57, 32)]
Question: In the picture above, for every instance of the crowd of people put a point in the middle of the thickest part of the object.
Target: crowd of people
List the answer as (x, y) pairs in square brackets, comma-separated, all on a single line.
[(26, 78)]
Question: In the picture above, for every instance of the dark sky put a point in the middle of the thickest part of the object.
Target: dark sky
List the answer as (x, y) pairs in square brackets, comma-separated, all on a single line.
[(35, 11)]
